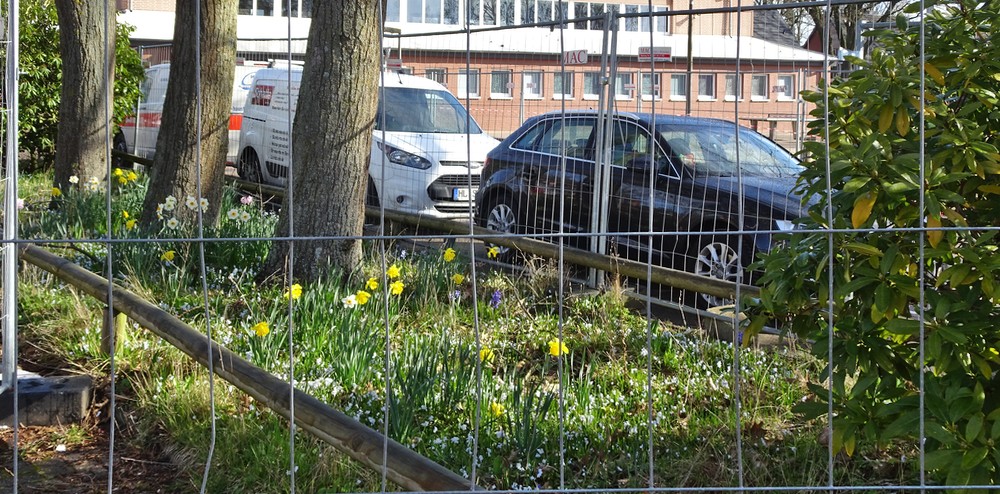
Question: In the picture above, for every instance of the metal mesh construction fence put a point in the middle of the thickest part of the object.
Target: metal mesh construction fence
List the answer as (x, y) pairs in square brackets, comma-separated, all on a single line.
[(571, 206)]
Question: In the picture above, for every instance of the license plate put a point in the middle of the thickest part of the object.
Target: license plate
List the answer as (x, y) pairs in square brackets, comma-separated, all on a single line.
[(462, 193)]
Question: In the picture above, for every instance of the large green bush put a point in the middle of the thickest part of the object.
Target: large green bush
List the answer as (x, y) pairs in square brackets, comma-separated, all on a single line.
[(912, 227), (41, 78)]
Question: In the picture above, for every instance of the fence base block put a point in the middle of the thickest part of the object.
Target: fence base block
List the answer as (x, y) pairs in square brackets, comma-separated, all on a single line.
[(53, 400)]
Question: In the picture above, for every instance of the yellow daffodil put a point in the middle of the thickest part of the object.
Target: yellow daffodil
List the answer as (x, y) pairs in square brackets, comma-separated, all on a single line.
[(132, 176), (362, 297), (372, 284), (56, 192), (497, 410), (130, 224), (295, 292), (449, 254), (392, 272), (168, 256), (396, 287), (261, 329), (557, 347), (122, 180), (457, 278), (487, 355), (118, 172), (125, 214), (493, 252)]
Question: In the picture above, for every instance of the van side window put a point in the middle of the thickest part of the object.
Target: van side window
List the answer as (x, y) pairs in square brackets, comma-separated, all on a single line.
[(261, 95)]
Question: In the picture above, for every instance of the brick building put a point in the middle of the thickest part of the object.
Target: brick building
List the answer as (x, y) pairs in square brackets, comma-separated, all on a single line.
[(508, 65)]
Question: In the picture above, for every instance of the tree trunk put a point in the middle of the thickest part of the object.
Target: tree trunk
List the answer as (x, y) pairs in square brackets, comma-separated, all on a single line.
[(87, 47), (331, 142), (179, 147)]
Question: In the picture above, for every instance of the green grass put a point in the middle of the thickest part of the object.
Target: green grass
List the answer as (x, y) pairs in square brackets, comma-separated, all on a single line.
[(626, 383)]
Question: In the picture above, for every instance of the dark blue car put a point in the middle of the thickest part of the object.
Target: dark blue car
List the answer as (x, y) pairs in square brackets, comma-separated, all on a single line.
[(670, 190)]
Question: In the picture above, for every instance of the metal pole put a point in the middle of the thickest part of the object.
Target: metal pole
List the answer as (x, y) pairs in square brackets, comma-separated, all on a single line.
[(690, 59), (9, 355)]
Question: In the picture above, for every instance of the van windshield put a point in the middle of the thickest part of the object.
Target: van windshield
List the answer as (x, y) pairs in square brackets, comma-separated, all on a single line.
[(423, 110)]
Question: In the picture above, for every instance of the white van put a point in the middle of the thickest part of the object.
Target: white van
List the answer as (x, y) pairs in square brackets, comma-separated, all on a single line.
[(420, 156), (137, 135)]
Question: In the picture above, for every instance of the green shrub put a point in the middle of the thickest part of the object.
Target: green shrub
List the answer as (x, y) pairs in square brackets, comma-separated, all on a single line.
[(910, 253)]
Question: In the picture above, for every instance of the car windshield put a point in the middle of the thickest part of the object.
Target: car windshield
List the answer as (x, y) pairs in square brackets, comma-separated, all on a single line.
[(712, 150), (423, 110)]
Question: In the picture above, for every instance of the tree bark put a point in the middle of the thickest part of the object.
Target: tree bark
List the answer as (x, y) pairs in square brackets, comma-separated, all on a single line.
[(331, 142), (179, 147), (87, 47)]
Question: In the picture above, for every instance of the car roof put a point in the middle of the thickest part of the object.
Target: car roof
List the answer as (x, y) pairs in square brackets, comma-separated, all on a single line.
[(641, 117)]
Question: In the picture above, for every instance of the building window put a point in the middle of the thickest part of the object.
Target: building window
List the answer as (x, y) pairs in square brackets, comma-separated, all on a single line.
[(734, 87), (631, 23), (501, 85), (256, 7), (597, 9), (659, 22), (624, 86), (678, 86), (562, 85), (532, 81), (439, 76), (591, 85), (391, 10), (758, 87), (650, 87), (468, 83), (706, 86), (784, 87), (451, 12)]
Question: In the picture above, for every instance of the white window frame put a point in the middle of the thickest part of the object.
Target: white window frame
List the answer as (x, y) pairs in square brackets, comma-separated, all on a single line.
[(760, 97), (591, 96), (437, 74), (533, 93), (655, 79), (737, 85), (622, 79), (674, 96), (508, 89), (464, 83), (711, 95), (557, 87), (789, 93)]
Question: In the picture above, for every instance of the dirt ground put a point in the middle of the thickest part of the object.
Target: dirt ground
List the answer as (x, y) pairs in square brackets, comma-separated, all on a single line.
[(73, 458)]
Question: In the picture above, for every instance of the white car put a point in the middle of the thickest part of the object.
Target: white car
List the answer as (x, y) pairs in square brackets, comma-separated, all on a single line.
[(426, 156)]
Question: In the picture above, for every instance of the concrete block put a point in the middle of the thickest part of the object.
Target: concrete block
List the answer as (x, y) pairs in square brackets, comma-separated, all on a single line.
[(52, 400)]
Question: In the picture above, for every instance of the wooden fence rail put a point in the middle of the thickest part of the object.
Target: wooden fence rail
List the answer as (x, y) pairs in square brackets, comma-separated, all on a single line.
[(403, 466)]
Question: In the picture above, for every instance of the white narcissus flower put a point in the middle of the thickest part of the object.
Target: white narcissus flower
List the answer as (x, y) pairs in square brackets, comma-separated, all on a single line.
[(244, 216), (350, 301), (172, 223), (191, 202), (74, 179), (203, 203), (233, 214)]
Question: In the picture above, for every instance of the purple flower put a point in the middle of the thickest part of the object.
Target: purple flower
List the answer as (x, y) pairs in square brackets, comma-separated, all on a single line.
[(495, 299), (455, 295)]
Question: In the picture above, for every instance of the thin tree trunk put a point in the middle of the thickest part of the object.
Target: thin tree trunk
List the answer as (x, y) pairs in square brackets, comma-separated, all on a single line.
[(87, 47), (331, 141), (179, 147)]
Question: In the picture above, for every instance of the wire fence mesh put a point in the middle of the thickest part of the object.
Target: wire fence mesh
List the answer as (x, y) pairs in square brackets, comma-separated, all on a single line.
[(662, 134)]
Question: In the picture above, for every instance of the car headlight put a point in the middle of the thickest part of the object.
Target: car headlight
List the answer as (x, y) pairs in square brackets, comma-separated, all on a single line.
[(785, 225), (400, 157)]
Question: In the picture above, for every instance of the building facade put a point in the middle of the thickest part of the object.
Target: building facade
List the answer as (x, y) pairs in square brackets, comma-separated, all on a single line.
[(511, 59)]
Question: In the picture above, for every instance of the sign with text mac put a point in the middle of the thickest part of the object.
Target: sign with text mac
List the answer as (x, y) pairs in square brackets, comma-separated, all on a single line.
[(654, 53), (575, 57)]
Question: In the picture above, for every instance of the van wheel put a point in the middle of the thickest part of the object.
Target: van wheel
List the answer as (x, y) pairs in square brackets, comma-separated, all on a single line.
[(119, 144), (502, 215), (248, 167), (371, 195)]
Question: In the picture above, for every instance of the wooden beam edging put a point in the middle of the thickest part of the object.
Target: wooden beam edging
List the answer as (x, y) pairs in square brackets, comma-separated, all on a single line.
[(625, 267), (405, 467), (131, 157)]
